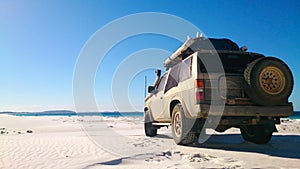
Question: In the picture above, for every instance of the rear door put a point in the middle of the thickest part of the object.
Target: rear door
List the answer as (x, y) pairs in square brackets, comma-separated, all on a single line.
[(228, 85)]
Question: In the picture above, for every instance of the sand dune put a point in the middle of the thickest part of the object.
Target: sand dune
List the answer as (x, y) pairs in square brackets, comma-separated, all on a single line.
[(111, 142)]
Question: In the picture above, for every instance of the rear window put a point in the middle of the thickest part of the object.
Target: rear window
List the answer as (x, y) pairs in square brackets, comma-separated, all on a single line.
[(185, 69), (232, 63), (173, 77), (179, 73)]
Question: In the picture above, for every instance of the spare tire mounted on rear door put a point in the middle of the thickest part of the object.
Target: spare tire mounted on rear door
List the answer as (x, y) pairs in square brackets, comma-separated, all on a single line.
[(268, 81)]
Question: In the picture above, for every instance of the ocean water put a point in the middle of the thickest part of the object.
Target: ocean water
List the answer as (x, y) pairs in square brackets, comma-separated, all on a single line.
[(70, 113), (296, 114)]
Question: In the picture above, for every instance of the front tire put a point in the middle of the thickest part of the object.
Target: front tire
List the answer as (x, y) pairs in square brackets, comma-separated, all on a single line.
[(182, 127), (150, 130), (256, 134)]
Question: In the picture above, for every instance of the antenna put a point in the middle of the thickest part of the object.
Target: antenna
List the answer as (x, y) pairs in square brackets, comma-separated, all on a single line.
[(145, 86)]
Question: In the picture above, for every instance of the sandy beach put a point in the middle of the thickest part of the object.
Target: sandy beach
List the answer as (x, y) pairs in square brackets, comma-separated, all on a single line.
[(119, 142)]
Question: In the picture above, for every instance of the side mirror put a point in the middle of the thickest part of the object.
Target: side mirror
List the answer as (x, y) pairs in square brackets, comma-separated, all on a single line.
[(151, 89)]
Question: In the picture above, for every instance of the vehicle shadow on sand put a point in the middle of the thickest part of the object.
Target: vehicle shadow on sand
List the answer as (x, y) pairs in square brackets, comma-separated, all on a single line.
[(287, 146)]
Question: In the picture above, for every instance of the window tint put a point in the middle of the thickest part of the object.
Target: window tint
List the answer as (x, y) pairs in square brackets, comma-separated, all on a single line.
[(161, 84), (185, 69), (173, 77)]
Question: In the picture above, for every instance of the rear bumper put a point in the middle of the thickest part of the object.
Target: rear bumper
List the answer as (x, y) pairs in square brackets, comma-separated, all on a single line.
[(229, 110)]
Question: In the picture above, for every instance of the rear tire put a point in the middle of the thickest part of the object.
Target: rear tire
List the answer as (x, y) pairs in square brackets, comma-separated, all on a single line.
[(150, 131), (182, 127), (256, 134), (268, 81)]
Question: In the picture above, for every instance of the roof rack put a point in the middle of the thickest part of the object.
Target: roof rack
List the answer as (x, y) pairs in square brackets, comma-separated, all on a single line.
[(192, 45), (176, 57)]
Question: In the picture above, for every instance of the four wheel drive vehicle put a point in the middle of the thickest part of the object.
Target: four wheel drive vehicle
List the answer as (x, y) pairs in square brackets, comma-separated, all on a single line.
[(251, 90)]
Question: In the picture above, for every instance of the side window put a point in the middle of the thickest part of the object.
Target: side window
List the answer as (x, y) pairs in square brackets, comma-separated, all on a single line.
[(173, 77), (185, 69), (161, 84)]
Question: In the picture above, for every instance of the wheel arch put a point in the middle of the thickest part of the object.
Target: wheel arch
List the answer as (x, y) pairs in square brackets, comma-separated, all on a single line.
[(146, 108), (173, 103)]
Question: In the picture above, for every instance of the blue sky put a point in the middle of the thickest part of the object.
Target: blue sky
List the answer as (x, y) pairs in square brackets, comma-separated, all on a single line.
[(40, 42)]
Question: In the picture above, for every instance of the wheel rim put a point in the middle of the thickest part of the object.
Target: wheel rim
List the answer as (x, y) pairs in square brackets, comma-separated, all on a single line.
[(177, 124), (272, 80)]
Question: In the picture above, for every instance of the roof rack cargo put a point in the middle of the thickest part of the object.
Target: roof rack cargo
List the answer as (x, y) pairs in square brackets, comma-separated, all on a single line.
[(192, 45)]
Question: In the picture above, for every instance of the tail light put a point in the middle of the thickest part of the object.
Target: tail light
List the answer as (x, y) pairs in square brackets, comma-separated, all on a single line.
[(199, 89)]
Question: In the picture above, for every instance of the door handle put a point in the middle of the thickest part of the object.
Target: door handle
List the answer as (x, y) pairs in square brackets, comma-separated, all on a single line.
[(161, 97)]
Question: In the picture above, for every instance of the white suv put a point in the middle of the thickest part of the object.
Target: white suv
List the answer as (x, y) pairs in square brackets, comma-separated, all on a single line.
[(251, 89)]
